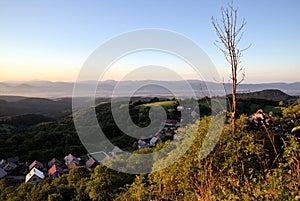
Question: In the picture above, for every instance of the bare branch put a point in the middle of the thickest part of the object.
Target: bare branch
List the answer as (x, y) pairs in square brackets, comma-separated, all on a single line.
[(242, 71)]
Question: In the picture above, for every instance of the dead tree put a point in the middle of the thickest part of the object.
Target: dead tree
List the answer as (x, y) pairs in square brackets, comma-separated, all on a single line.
[(229, 34)]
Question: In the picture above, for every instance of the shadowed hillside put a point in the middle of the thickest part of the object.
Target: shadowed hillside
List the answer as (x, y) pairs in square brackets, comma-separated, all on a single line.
[(268, 94), (42, 106)]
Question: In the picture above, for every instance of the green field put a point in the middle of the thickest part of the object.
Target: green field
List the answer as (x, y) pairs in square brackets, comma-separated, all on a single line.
[(165, 104)]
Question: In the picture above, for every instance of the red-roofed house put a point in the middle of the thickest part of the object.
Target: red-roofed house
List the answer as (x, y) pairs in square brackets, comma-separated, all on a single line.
[(91, 163), (170, 122), (55, 171), (54, 161), (72, 165), (36, 164)]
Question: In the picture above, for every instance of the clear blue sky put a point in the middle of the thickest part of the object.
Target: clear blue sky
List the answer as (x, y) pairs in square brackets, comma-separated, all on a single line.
[(51, 39)]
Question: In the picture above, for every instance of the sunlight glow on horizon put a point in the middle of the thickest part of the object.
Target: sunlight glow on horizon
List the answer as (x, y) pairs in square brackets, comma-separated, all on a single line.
[(50, 40)]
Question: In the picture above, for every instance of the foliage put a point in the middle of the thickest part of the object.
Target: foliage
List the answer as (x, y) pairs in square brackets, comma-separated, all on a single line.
[(291, 116), (237, 169), (48, 107), (105, 183), (241, 166), (42, 142)]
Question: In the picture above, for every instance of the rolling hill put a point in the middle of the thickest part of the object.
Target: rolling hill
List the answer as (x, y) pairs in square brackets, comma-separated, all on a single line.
[(268, 94)]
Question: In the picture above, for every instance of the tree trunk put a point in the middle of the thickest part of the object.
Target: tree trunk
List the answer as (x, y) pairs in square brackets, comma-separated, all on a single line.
[(233, 114), (234, 85), (229, 34)]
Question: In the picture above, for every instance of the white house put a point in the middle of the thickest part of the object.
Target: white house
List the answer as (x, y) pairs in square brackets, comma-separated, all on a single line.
[(153, 141), (34, 176), (70, 158)]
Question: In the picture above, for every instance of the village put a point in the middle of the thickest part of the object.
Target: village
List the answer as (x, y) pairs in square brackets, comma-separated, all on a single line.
[(13, 168)]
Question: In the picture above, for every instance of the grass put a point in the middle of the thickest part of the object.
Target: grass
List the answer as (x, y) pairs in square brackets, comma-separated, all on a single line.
[(165, 104)]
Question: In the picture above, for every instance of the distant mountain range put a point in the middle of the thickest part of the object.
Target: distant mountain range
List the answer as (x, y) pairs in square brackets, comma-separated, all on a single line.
[(60, 107), (47, 89)]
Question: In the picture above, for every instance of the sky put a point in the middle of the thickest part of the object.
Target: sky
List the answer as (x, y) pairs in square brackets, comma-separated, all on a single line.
[(51, 40)]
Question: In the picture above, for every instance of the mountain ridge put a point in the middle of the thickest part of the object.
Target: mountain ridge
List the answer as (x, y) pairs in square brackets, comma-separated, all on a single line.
[(267, 94), (48, 89), (59, 107)]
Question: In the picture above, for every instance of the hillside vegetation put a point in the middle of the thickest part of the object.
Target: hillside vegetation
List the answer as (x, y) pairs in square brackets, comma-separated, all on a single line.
[(268, 94), (252, 164)]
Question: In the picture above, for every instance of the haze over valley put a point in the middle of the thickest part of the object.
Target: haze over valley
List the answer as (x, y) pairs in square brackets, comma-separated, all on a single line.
[(48, 89)]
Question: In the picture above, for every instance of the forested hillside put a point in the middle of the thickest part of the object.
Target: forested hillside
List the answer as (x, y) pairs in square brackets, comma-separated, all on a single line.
[(255, 163)]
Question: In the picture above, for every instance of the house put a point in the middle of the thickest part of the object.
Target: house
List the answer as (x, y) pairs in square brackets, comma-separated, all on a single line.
[(36, 164), (72, 165), (170, 122), (55, 171), (34, 176), (142, 144), (117, 151), (3, 173), (153, 141), (9, 166), (70, 158), (169, 132), (54, 161), (101, 156), (91, 163), (15, 160), (2, 163)]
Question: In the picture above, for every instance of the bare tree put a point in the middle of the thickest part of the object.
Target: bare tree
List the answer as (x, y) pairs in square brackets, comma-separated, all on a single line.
[(229, 34)]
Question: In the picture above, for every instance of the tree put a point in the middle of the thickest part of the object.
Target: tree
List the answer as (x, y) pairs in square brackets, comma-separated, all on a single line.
[(229, 33), (291, 117), (106, 184)]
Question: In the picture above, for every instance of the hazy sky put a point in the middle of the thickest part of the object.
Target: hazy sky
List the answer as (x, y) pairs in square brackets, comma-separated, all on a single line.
[(50, 40)]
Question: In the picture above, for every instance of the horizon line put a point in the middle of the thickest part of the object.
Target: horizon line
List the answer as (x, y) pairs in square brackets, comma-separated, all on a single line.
[(112, 80)]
